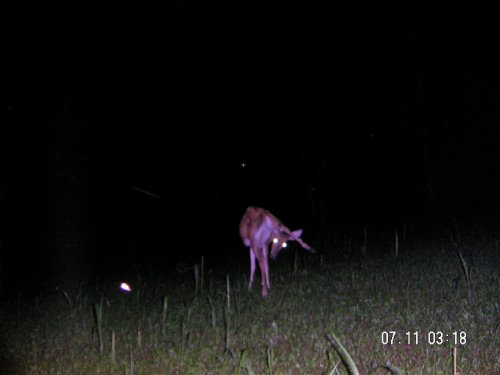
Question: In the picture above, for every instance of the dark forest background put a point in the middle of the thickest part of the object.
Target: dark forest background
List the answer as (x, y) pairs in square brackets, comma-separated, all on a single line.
[(331, 118)]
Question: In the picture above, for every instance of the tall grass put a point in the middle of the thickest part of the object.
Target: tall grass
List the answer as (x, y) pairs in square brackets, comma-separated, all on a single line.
[(176, 325)]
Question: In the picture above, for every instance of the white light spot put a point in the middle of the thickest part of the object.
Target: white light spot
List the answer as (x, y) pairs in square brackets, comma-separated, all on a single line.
[(275, 240), (125, 287), (243, 165), (284, 244)]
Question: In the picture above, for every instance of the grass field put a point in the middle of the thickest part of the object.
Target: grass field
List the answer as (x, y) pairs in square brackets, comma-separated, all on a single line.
[(210, 324)]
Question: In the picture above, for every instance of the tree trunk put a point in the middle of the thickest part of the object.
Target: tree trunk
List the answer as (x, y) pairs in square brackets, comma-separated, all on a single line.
[(427, 171), (70, 203)]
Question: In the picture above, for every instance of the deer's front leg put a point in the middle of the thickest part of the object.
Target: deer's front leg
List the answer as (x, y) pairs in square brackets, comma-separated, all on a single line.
[(252, 268), (264, 271), (266, 263)]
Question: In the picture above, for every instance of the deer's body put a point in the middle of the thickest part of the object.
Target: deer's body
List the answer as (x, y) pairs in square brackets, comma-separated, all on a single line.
[(258, 229)]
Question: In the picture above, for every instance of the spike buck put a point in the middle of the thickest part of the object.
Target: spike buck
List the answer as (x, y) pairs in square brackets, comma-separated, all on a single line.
[(258, 229)]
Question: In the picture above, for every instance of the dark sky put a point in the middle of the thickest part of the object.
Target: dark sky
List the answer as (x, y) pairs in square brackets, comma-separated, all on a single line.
[(339, 115)]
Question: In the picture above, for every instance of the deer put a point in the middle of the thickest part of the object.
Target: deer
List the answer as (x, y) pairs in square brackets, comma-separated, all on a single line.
[(258, 229)]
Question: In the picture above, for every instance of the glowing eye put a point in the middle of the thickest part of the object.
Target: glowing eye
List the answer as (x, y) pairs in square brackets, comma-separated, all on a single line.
[(125, 287), (284, 244), (275, 240)]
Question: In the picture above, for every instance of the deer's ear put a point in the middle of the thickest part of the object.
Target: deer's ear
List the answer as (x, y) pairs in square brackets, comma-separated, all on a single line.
[(297, 233)]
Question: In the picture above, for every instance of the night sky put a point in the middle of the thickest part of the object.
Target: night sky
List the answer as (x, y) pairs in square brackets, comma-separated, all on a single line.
[(328, 117)]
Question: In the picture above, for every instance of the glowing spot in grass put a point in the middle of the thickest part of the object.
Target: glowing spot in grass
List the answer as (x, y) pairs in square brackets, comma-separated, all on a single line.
[(125, 287)]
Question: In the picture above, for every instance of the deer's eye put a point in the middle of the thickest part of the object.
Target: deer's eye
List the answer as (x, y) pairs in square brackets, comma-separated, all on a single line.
[(284, 244), (275, 240)]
